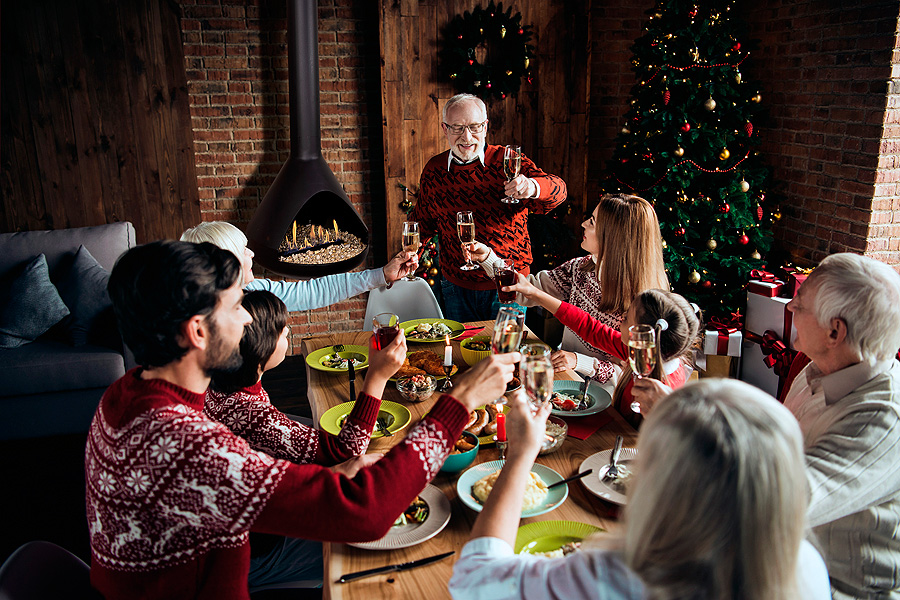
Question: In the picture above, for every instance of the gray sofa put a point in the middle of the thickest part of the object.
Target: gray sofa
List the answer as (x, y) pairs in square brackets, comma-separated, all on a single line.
[(52, 385)]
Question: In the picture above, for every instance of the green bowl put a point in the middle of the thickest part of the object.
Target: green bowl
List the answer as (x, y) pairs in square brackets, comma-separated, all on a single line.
[(457, 462)]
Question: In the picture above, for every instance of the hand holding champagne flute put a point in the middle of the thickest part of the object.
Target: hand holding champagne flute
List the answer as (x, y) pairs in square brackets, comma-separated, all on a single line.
[(507, 336), (512, 163), (641, 353), (537, 373), (465, 229), (411, 242)]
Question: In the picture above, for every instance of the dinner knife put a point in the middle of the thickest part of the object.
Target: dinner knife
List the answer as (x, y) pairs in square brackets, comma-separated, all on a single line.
[(352, 374), (391, 568)]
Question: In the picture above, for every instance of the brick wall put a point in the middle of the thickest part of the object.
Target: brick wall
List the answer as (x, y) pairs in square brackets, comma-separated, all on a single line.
[(826, 70), (884, 233), (236, 60)]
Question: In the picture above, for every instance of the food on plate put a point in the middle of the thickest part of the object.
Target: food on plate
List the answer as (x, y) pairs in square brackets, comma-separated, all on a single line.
[(428, 331), (564, 401), (477, 345), (558, 553), (423, 362), (535, 492), (336, 361), (623, 476), (462, 445), (416, 513), (483, 421)]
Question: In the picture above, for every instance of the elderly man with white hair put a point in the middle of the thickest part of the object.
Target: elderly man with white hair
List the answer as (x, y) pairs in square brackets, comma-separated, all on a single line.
[(847, 401)]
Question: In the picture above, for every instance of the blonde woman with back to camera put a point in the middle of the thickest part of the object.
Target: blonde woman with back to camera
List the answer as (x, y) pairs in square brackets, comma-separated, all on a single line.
[(624, 258), (717, 511)]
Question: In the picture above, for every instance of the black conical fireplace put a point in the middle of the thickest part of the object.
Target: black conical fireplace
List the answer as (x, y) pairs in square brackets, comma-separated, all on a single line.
[(306, 196)]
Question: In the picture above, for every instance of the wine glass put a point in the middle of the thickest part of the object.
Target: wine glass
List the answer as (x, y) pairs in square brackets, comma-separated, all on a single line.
[(505, 275), (641, 353), (507, 336), (537, 372), (386, 327), (411, 242), (512, 162), (465, 229)]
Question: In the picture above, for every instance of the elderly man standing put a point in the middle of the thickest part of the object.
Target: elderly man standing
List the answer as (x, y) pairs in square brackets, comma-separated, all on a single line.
[(469, 177), (847, 401)]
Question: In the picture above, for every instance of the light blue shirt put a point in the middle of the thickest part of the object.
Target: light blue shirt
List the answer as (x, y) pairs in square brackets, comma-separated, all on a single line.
[(321, 291)]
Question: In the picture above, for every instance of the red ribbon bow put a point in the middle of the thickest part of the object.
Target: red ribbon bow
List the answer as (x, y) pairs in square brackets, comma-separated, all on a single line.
[(726, 326), (761, 275), (776, 354)]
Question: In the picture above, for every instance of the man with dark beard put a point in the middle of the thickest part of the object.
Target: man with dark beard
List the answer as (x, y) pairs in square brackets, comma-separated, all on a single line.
[(172, 494)]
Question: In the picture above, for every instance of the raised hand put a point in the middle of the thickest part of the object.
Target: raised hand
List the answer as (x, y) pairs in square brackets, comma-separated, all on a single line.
[(478, 251), (524, 427), (521, 187), (383, 364), (647, 391), (403, 264), (486, 381)]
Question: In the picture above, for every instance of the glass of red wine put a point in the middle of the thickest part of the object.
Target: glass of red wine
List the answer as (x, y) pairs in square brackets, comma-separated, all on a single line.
[(386, 327), (505, 275)]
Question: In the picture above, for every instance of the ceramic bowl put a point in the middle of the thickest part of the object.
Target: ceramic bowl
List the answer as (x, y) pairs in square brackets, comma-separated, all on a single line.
[(556, 432), (472, 357), (457, 462)]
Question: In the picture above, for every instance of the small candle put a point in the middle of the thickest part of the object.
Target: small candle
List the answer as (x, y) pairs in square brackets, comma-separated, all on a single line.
[(448, 352), (501, 427)]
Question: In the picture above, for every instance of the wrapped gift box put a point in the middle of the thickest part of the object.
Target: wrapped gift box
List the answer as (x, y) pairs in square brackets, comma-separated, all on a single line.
[(796, 277), (722, 344), (770, 314), (754, 370), (719, 366)]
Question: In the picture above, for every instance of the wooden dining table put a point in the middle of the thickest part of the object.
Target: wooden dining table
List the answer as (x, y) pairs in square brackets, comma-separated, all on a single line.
[(326, 390)]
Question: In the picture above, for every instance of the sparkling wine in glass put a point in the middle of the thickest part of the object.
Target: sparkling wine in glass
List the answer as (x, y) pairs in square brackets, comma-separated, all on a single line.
[(386, 327), (641, 353), (512, 163), (505, 275), (411, 241), (465, 229), (507, 335), (537, 372)]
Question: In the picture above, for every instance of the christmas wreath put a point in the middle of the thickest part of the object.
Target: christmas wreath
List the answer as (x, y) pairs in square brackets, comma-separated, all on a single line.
[(486, 52)]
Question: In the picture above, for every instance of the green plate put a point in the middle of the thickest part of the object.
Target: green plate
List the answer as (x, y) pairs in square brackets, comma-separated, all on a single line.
[(456, 329), (547, 536), (314, 359), (397, 417)]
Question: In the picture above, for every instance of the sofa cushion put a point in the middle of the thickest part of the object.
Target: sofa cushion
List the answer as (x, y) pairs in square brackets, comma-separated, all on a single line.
[(32, 305), (83, 289), (50, 366)]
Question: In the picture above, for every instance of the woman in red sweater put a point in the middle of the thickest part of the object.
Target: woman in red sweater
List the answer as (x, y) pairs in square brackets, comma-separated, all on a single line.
[(675, 320)]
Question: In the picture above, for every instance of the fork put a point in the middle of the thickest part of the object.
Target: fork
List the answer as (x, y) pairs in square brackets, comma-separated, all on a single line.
[(613, 471), (383, 427)]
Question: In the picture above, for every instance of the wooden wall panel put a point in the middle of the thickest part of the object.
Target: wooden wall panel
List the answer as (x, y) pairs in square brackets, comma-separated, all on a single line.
[(95, 117), (549, 118)]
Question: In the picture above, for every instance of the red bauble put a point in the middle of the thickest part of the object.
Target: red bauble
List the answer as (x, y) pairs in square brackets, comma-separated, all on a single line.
[(744, 240), (724, 208), (686, 127), (521, 31), (459, 37), (693, 12), (666, 96), (488, 86), (471, 62), (749, 128), (624, 160), (736, 47), (502, 95), (680, 231), (759, 213), (706, 284), (648, 156)]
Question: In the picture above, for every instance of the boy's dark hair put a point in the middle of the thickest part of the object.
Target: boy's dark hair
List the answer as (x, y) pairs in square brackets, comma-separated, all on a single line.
[(156, 287), (258, 342)]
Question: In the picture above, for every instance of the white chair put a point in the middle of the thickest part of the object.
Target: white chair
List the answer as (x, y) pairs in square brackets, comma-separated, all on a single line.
[(44, 571), (406, 299)]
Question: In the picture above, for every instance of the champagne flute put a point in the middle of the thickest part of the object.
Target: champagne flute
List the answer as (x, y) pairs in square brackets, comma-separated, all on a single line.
[(512, 163), (507, 336), (641, 354), (465, 229), (411, 242), (537, 372)]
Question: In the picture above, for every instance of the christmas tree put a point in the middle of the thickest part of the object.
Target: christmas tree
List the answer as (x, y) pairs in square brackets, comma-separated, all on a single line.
[(688, 146)]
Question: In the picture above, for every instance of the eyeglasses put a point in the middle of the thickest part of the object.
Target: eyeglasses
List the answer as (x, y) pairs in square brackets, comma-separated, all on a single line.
[(472, 127)]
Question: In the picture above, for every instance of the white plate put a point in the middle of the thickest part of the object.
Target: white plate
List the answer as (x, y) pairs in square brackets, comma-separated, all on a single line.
[(601, 398), (416, 533), (599, 462), (555, 497)]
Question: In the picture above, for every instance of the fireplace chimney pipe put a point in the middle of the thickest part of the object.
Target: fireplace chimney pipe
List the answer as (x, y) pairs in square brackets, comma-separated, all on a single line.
[(303, 65)]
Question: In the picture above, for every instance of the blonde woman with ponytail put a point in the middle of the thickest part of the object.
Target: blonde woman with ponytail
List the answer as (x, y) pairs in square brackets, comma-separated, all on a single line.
[(716, 511)]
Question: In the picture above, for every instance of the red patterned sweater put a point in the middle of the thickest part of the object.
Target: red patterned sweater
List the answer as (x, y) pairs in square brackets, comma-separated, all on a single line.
[(249, 414), (479, 188), (172, 494)]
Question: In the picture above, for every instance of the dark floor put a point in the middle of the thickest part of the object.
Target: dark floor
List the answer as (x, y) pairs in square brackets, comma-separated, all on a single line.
[(44, 490)]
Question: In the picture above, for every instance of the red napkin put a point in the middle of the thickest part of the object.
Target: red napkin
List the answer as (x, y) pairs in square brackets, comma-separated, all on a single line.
[(468, 334), (581, 428)]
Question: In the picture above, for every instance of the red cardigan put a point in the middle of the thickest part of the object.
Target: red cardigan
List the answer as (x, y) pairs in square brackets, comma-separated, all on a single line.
[(172, 495)]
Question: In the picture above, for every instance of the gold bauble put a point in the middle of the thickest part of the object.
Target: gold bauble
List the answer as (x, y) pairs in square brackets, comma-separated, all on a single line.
[(776, 215), (427, 263), (694, 277), (745, 187), (756, 98), (710, 104), (502, 32), (431, 282), (679, 151), (737, 78), (433, 271), (711, 244), (481, 31), (756, 255), (724, 154), (526, 62)]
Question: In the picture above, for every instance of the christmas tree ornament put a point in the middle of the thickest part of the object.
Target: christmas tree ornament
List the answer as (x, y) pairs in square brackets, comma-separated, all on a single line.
[(724, 154), (743, 240), (667, 95), (488, 85), (736, 47), (431, 282), (745, 185), (664, 244), (737, 77), (755, 255), (757, 98), (759, 212), (526, 62), (777, 215), (748, 127), (679, 151), (711, 244), (433, 271), (680, 232), (694, 277), (682, 198), (724, 208), (453, 75), (706, 284), (508, 73), (710, 104), (502, 32), (694, 11), (427, 263), (625, 130), (686, 127)]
